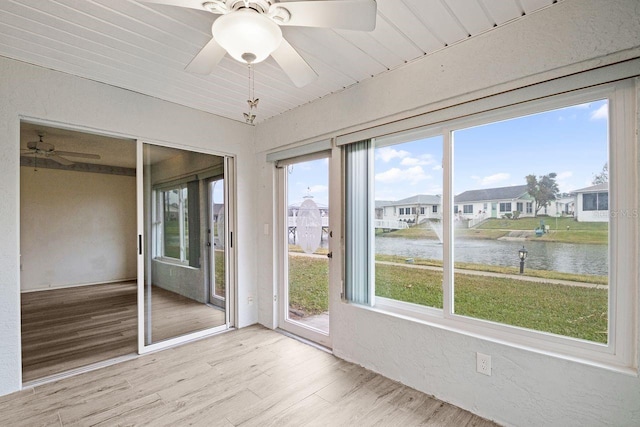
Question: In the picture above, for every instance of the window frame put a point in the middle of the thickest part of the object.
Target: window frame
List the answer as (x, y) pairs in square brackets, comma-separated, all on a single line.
[(597, 197), (619, 353), (159, 196)]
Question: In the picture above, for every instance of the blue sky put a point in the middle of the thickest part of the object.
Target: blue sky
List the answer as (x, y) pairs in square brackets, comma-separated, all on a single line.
[(571, 142), (309, 179)]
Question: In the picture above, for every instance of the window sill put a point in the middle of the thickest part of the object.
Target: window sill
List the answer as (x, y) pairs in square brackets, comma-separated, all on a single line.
[(177, 263), (574, 350)]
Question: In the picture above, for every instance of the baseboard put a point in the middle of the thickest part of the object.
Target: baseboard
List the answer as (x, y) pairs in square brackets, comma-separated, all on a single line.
[(106, 282)]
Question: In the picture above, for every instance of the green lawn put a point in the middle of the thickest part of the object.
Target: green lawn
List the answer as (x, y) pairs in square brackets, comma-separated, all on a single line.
[(544, 274), (562, 230), (533, 223), (309, 284), (567, 310)]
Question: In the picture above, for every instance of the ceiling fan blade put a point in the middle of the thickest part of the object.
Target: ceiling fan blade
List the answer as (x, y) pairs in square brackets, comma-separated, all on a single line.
[(79, 155), (60, 160), (294, 65), (344, 14), (40, 145), (207, 58), (191, 4)]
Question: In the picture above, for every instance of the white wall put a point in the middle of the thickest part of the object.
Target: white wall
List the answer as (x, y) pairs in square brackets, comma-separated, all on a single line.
[(527, 387), (76, 228), (38, 93)]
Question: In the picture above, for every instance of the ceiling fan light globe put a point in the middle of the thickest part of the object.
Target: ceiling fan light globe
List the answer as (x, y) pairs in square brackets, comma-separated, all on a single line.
[(245, 34)]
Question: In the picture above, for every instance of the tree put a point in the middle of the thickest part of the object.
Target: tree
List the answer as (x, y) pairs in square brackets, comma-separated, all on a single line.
[(543, 189), (602, 177)]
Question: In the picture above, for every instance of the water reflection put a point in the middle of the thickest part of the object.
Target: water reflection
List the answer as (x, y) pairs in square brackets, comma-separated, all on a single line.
[(563, 257)]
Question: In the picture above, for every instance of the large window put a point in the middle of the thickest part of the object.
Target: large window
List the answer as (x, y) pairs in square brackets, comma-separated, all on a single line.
[(561, 287), (177, 221), (543, 277), (409, 169)]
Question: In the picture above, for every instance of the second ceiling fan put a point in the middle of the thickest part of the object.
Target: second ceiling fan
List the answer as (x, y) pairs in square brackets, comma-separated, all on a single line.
[(249, 30)]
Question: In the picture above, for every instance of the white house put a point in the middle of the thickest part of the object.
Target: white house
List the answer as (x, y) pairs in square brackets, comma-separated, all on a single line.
[(500, 201), (592, 203), (494, 202), (414, 209)]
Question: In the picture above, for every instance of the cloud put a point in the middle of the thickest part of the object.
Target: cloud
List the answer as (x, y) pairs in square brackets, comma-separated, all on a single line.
[(424, 159), (562, 179), (387, 154), (601, 113), (411, 175), (492, 179)]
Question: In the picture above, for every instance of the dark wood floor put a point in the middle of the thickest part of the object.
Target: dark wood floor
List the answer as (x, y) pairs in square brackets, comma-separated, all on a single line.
[(250, 377), (64, 329)]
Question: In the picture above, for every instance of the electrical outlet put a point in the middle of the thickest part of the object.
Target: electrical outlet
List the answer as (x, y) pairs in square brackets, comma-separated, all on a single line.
[(483, 363)]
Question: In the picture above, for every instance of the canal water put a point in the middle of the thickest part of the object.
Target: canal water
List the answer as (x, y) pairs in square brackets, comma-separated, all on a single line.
[(563, 257), (551, 256)]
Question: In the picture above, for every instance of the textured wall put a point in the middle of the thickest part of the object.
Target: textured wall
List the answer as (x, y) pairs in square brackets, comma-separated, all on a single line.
[(76, 228)]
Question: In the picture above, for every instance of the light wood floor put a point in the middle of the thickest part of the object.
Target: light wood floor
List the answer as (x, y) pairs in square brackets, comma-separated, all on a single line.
[(250, 377), (64, 329)]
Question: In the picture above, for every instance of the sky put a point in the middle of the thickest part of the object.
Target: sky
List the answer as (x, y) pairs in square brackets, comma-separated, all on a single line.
[(572, 142), (309, 179)]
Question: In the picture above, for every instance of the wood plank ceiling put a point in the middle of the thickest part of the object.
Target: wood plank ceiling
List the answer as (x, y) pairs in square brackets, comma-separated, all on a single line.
[(144, 48)]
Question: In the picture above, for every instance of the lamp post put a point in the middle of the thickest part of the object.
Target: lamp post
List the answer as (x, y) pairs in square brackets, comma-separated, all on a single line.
[(522, 253)]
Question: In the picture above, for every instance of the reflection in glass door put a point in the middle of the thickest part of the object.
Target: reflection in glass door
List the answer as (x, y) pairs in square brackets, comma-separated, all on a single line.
[(216, 244), (305, 303), (184, 280)]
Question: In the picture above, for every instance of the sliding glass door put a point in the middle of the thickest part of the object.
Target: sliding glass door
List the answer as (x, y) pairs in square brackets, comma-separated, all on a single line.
[(184, 276)]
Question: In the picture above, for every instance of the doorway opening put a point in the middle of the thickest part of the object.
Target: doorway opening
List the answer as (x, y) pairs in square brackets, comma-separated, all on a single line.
[(77, 247)]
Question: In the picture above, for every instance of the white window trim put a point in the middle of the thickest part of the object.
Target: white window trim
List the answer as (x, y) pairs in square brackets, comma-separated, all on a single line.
[(620, 352), (159, 223)]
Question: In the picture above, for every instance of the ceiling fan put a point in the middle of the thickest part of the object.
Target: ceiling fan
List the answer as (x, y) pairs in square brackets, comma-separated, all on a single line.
[(249, 30), (48, 151)]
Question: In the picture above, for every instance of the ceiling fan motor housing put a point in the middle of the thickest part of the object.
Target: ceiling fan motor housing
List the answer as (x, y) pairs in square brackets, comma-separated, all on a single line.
[(225, 6), (248, 36)]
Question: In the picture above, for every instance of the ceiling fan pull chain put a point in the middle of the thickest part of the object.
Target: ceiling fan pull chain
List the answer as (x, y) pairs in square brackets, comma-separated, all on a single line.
[(253, 103)]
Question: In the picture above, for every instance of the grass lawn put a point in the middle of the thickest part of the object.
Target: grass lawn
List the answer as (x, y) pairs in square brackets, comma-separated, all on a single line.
[(533, 223), (544, 274), (566, 310), (309, 284)]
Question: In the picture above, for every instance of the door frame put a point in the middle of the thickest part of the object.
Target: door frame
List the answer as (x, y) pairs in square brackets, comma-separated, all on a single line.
[(212, 298)]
